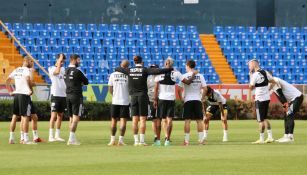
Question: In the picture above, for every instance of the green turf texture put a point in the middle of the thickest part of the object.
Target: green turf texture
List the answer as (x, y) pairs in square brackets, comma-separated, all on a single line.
[(238, 156)]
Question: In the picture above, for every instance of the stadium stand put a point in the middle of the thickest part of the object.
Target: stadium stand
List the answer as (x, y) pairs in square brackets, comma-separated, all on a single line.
[(103, 46), (280, 49)]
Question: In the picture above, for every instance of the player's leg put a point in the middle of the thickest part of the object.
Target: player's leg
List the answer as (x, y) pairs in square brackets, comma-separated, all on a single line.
[(169, 126), (259, 106), (77, 108), (123, 124), (34, 118), (58, 122), (12, 129), (143, 109), (164, 125), (225, 124), (198, 116), (135, 119), (187, 123), (113, 131), (200, 130), (267, 122), (206, 120), (53, 117)]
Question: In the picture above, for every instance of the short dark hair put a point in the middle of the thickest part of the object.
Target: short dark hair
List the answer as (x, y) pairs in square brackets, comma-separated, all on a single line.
[(191, 64), (58, 56), (209, 90), (137, 59), (74, 57)]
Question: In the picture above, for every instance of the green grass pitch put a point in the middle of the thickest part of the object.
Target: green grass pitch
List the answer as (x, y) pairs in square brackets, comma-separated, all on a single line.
[(236, 157)]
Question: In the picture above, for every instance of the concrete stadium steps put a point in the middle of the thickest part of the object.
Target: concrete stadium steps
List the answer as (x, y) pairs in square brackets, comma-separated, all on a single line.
[(10, 59), (218, 60)]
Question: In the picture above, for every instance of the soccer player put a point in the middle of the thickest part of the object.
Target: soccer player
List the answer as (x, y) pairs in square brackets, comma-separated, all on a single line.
[(152, 109), (58, 98), (192, 108), (74, 80), (259, 80), (23, 91), (216, 103), (34, 117), (292, 99), (118, 86), (139, 98), (165, 96)]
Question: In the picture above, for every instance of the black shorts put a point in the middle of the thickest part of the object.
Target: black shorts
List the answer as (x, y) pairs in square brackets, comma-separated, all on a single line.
[(120, 111), (58, 104), (212, 109), (152, 111), (193, 110), (139, 105), (22, 105), (166, 108), (74, 105), (295, 105), (262, 109), (33, 108)]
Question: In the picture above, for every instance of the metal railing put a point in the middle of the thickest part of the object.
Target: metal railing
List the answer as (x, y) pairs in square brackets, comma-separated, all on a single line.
[(23, 48)]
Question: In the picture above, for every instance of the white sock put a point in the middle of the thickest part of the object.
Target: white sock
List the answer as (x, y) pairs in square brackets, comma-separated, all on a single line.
[(121, 139), (200, 136), (50, 133), (225, 133), (261, 137), (26, 137), (35, 134), (205, 133), (112, 138), (136, 138), (21, 136), (270, 135), (187, 137), (72, 136), (11, 135), (57, 133), (142, 138)]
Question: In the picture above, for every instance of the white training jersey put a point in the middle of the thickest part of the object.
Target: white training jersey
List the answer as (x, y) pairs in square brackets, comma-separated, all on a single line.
[(216, 98), (261, 93), (167, 84), (193, 91), (21, 84), (58, 86), (119, 81), (289, 91), (151, 87)]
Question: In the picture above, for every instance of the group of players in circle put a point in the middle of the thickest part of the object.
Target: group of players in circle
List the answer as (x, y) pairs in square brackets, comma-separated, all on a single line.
[(141, 93)]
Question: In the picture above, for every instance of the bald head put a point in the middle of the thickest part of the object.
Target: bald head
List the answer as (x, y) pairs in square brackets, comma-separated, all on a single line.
[(124, 64)]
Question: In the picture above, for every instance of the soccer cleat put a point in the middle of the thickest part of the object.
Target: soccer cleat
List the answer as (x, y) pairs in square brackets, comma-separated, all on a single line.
[(285, 140), (121, 144), (225, 139), (143, 144), (11, 141), (75, 142), (111, 143), (201, 142), (258, 142), (38, 140), (185, 143), (282, 138), (167, 143), (51, 139), (269, 140), (29, 143), (59, 139), (157, 143)]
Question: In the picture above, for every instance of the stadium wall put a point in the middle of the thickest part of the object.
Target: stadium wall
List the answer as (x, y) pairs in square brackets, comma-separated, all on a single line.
[(205, 14)]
